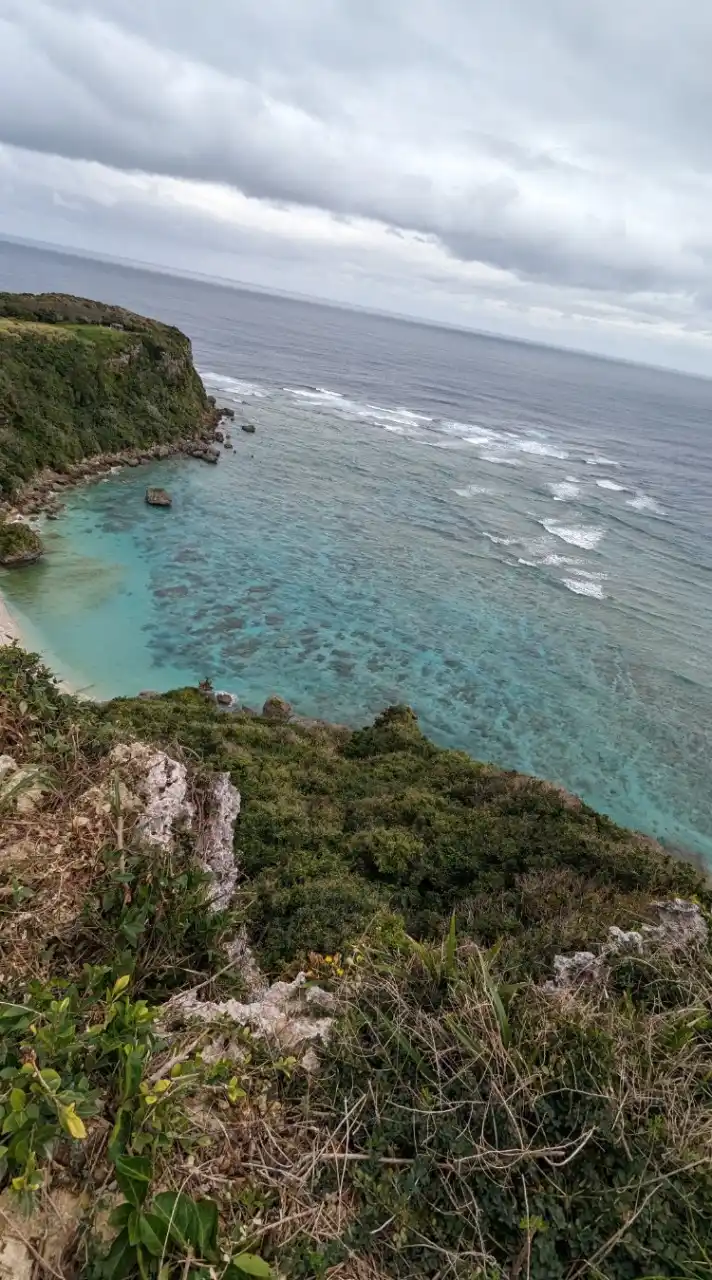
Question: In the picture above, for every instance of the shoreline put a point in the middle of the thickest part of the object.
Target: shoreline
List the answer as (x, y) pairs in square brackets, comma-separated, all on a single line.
[(43, 493), (10, 632)]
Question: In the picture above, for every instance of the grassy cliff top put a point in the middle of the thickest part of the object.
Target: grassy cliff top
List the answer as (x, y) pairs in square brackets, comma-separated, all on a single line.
[(64, 309)]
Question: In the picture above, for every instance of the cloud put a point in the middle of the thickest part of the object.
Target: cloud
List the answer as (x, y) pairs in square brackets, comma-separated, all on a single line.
[(552, 158)]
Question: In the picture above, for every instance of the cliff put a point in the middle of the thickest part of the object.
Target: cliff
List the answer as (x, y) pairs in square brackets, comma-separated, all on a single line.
[(79, 378), (290, 1000)]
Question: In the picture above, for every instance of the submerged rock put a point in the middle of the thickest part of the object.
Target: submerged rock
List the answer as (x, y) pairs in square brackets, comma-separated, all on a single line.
[(249, 428), (158, 498)]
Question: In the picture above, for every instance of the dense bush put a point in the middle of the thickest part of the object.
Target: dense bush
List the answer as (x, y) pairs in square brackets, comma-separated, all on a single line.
[(72, 386), (335, 826), (504, 1132)]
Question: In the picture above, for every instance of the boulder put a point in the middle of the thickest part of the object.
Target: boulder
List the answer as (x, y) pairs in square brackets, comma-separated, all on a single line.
[(249, 428), (276, 708), (19, 544), (224, 699), (158, 498), (219, 435), (206, 453), (228, 443), (227, 413), (132, 462)]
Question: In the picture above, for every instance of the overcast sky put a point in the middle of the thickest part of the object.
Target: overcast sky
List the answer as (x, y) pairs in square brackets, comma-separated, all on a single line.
[(541, 168)]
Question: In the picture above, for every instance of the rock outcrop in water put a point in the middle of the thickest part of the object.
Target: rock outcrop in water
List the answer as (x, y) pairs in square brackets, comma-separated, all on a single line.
[(158, 498), (19, 544)]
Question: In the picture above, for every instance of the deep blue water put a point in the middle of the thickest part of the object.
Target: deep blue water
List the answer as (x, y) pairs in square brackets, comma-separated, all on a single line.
[(515, 540)]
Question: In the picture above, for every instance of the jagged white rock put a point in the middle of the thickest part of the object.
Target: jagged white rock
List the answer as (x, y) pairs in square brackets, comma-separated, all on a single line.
[(215, 846), (680, 925), (163, 786), (287, 1012)]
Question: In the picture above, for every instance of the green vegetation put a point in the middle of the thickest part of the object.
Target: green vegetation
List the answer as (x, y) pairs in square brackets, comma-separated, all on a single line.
[(79, 378), (463, 1122), (19, 544)]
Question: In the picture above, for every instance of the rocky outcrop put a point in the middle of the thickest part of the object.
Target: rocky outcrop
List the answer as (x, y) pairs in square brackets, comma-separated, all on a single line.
[(291, 1013), (206, 453), (275, 708), (158, 498), (161, 783), (216, 841), (19, 544), (681, 926)]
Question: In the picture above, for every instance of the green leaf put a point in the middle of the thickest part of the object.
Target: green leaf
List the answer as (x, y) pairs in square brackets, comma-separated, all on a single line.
[(120, 1215), (251, 1265), (133, 1174), (133, 1226), (180, 1215), (18, 1098), (51, 1078), (133, 1073), (207, 1217), (14, 1017), (119, 1263), (120, 1133), (121, 985), (153, 1233), (14, 1122)]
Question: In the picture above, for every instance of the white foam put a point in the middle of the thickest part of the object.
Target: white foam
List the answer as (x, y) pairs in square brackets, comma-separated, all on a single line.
[(582, 587), (233, 386), (598, 461), (590, 575), (556, 560), (501, 459), (584, 536), (318, 395), (611, 484), (500, 542), (539, 449), (471, 490), (643, 502), (565, 490)]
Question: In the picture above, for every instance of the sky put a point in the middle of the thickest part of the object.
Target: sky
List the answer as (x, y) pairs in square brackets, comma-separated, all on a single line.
[(536, 168)]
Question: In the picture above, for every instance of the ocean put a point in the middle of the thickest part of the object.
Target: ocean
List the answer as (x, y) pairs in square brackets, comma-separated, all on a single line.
[(515, 540)]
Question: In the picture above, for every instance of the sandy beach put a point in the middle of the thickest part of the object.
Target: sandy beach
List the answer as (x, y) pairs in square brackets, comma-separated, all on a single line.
[(9, 629)]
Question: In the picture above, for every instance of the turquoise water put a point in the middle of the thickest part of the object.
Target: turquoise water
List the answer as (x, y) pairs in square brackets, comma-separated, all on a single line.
[(515, 541)]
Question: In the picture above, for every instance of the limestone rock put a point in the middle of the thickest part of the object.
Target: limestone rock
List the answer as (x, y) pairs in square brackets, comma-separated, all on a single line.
[(216, 842), (288, 1012), (158, 498), (681, 926), (163, 786)]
